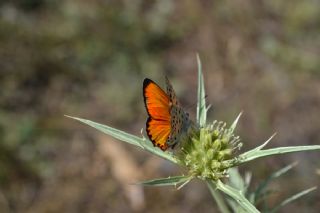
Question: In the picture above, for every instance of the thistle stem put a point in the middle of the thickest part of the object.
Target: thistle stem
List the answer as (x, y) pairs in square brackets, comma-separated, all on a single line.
[(217, 196)]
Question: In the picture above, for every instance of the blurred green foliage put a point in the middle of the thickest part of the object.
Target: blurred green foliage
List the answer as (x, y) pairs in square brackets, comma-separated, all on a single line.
[(89, 58)]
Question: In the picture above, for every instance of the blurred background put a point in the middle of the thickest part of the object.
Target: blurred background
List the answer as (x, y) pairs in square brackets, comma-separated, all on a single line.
[(89, 59)]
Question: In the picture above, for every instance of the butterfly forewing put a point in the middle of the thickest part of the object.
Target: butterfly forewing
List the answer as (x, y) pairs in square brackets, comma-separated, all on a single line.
[(156, 100), (167, 121), (158, 107)]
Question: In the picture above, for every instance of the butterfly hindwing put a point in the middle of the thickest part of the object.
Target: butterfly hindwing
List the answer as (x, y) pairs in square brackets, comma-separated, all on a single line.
[(158, 131), (179, 124), (179, 119)]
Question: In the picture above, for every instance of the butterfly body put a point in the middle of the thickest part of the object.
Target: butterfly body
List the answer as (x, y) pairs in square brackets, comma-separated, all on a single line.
[(167, 121)]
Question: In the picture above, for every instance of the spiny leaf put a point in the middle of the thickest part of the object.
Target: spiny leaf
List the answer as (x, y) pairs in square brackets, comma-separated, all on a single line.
[(170, 181), (128, 138), (265, 143), (201, 103), (118, 134), (261, 146), (254, 154), (235, 122)]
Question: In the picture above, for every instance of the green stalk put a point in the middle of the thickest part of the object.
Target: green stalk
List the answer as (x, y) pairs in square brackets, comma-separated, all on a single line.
[(217, 196), (237, 196)]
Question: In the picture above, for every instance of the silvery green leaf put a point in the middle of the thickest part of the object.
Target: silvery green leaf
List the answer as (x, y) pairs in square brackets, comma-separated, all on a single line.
[(128, 138), (169, 181), (235, 122), (254, 154), (201, 103)]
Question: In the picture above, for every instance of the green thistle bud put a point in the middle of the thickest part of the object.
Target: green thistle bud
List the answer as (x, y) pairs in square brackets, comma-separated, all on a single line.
[(210, 153), (217, 144), (204, 150)]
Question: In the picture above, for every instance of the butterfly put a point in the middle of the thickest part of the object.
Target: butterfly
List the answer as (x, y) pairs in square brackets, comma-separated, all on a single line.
[(167, 121)]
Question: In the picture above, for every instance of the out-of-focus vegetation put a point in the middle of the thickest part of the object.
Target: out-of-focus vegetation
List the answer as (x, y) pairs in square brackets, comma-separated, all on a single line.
[(89, 58)]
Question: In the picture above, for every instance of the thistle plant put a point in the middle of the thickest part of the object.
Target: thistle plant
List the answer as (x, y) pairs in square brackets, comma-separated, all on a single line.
[(210, 151)]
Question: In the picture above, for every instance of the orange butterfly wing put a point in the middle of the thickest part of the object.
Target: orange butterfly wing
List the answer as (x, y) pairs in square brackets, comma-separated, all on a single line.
[(158, 107)]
